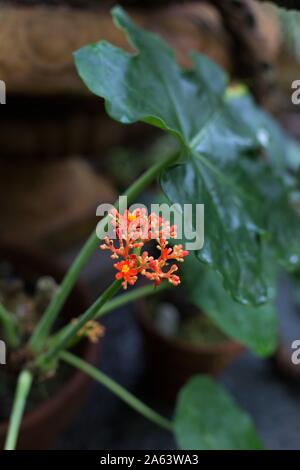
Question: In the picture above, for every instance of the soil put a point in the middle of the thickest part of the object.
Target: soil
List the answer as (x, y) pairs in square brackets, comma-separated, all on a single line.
[(200, 330)]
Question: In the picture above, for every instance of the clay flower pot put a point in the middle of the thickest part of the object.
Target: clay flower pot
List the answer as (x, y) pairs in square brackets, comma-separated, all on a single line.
[(171, 362), (42, 426)]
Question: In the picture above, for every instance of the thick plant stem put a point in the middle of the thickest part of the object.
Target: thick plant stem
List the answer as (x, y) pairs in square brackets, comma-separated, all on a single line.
[(43, 328), (8, 327), (123, 394), (22, 390), (115, 303), (70, 333)]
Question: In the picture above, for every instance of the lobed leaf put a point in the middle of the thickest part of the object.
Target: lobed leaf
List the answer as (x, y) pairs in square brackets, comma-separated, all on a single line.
[(215, 133)]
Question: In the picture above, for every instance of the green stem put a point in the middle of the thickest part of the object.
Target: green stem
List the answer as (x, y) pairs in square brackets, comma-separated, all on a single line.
[(71, 332), (22, 390), (113, 305), (44, 326), (8, 327), (123, 394)]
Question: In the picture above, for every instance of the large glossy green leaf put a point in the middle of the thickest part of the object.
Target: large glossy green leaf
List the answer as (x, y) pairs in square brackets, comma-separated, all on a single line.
[(215, 132), (149, 86), (207, 418), (278, 149), (231, 236), (276, 212), (272, 177)]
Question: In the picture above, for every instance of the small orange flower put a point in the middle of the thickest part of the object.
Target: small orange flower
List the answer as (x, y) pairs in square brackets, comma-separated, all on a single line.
[(133, 230), (92, 330), (127, 271)]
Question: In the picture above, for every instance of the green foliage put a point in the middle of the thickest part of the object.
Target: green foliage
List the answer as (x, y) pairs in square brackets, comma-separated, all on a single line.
[(207, 418), (254, 327), (222, 139)]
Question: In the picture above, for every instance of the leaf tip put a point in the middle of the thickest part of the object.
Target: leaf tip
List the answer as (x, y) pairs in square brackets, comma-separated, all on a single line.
[(120, 17)]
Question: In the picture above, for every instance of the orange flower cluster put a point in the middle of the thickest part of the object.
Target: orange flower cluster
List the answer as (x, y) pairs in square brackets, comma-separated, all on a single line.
[(132, 230)]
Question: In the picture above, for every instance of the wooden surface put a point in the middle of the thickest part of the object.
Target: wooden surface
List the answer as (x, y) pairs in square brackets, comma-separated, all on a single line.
[(50, 203), (36, 43)]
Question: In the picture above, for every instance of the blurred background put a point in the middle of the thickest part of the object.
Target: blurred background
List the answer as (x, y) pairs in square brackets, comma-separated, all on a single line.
[(61, 156)]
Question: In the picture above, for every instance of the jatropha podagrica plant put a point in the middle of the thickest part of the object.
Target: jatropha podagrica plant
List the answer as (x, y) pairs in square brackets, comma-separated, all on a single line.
[(131, 231), (221, 136)]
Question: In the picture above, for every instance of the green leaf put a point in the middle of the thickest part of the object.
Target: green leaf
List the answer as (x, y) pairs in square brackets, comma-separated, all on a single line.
[(254, 327), (214, 131), (276, 212), (191, 106), (207, 418), (278, 149), (148, 86), (290, 27), (231, 245)]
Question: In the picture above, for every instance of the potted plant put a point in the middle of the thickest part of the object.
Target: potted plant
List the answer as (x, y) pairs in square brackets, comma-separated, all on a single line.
[(230, 156), (180, 342), (28, 282)]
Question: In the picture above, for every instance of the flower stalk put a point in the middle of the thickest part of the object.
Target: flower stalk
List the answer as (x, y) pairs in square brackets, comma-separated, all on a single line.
[(123, 394), (113, 304), (43, 328), (54, 349)]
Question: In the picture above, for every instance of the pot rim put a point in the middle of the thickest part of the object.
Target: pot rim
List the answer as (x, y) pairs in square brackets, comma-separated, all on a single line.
[(226, 346)]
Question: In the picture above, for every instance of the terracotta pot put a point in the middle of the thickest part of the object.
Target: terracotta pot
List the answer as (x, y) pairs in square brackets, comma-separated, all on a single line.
[(42, 426), (171, 362)]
